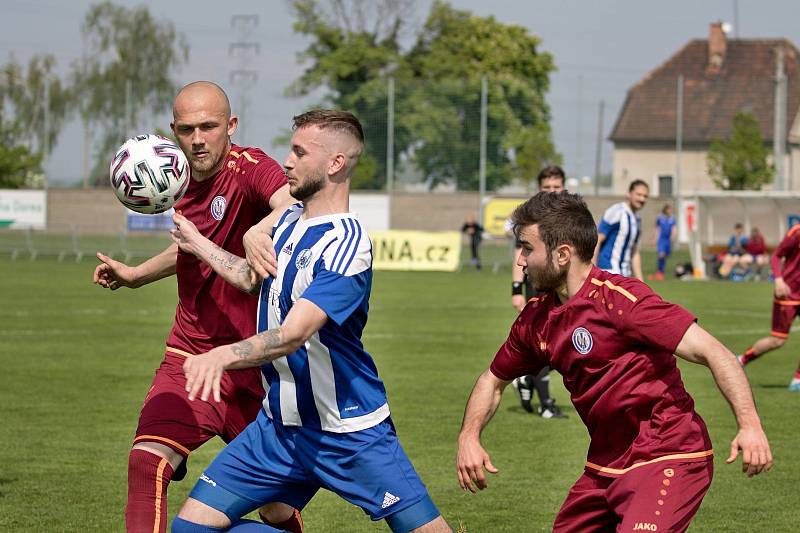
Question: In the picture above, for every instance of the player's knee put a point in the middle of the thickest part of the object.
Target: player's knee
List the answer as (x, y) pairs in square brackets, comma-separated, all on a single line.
[(275, 513), (145, 467)]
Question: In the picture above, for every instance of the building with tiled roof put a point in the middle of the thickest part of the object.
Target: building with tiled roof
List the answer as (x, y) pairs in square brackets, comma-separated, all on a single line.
[(721, 77)]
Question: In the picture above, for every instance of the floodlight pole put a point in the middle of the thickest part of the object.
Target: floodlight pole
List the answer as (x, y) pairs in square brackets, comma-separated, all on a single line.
[(482, 165), (390, 146), (779, 127), (599, 153)]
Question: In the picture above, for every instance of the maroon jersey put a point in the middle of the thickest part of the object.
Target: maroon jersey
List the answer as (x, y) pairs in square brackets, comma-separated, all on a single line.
[(211, 312), (613, 342), (786, 263)]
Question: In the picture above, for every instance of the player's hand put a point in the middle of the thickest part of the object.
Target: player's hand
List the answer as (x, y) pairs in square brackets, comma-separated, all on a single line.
[(113, 274), (781, 288), (518, 302), (471, 461), (756, 455), (185, 233), (203, 375), (260, 252)]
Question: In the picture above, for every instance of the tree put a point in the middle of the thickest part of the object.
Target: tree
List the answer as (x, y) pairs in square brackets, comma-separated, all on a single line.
[(37, 100), (19, 166), (126, 72), (354, 50), (740, 162)]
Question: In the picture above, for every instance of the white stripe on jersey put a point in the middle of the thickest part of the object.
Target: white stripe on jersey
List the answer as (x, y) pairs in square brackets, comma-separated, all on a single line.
[(345, 249)]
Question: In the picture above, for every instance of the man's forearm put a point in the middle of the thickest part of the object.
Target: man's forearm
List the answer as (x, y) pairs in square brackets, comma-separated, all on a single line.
[(636, 265), (733, 384), (157, 267), (482, 404), (228, 266), (259, 349)]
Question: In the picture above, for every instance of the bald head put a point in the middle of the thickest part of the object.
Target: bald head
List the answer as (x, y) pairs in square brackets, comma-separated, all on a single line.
[(203, 126), (202, 94)]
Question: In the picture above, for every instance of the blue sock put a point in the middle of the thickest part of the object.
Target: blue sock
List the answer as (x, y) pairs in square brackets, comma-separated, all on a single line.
[(179, 525), (250, 526), (662, 263)]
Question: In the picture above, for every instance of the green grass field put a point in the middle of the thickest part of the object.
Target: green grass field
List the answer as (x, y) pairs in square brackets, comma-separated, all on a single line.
[(76, 362)]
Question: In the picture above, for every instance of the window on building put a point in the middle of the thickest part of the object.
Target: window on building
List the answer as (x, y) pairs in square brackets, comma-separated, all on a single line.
[(665, 185)]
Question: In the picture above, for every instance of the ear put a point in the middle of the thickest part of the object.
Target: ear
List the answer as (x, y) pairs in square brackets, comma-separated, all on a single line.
[(233, 123), (563, 255), (172, 127), (336, 163)]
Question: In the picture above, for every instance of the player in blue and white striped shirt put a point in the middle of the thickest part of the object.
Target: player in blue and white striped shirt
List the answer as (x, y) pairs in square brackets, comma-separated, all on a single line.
[(325, 421), (619, 232)]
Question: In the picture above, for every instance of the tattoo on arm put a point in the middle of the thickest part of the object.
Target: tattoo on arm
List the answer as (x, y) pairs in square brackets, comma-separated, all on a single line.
[(269, 349), (243, 349), (226, 259)]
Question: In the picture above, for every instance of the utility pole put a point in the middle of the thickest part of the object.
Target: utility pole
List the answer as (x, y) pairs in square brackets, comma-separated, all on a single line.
[(779, 128), (46, 128), (599, 152), (484, 135), (390, 144), (244, 52)]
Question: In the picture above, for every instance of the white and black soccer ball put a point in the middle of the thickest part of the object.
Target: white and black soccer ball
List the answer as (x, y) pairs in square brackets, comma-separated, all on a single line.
[(149, 173)]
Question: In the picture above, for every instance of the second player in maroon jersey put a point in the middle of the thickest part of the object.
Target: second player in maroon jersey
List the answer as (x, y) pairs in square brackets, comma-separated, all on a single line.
[(650, 460)]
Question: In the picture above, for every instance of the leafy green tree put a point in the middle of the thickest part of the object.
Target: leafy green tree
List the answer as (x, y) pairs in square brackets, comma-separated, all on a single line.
[(19, 166), (740, 162), (37, 101), (354, 50), (127, 72)]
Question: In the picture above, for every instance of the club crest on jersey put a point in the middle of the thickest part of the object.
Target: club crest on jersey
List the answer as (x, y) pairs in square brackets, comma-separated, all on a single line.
[(303, 258), (582, 340), (218, 207)]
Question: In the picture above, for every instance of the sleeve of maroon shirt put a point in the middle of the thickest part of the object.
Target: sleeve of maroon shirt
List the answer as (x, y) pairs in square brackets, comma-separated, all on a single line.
[(264, 178), (788, 242), (519, 355), (654, 322)]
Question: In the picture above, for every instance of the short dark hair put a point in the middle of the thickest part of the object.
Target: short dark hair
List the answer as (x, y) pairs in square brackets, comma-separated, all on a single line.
[(551, 171), (638, 183), (331, 119), (563, 218), (664, 209)]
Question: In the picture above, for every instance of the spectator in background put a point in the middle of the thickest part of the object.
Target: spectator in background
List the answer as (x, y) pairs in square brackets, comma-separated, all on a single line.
[(474, 231), (736, 249), (756, 256), (666, 230)]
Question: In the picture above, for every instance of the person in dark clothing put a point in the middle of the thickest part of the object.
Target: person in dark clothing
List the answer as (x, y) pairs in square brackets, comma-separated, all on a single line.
[(474, 231)]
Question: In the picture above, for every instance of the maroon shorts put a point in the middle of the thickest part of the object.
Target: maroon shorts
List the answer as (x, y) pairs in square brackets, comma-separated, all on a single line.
[(169, 418), (783, 314), (662, 496)]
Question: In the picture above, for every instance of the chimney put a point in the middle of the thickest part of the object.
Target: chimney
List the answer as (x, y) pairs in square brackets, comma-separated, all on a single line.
[(717, 44)]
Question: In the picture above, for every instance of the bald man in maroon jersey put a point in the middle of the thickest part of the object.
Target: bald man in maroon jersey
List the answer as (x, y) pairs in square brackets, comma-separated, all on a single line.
[(613, 339), (232, 189)]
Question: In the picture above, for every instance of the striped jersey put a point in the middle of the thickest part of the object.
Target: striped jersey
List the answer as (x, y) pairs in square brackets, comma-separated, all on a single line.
[(331, 383), (622, 228)]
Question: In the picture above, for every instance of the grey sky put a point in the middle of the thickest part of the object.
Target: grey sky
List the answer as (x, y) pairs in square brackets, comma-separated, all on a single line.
[(600, 47)]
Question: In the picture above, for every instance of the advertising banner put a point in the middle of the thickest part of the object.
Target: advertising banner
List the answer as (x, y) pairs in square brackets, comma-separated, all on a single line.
[(23, 209), (496, 212), (416, 250), (158, 222)]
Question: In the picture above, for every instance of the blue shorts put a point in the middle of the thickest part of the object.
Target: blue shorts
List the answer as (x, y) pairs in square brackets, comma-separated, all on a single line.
[(271, 462), (664, 247)]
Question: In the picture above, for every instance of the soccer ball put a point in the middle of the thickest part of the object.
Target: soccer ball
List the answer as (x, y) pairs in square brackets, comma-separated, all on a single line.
[(149, 173)]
